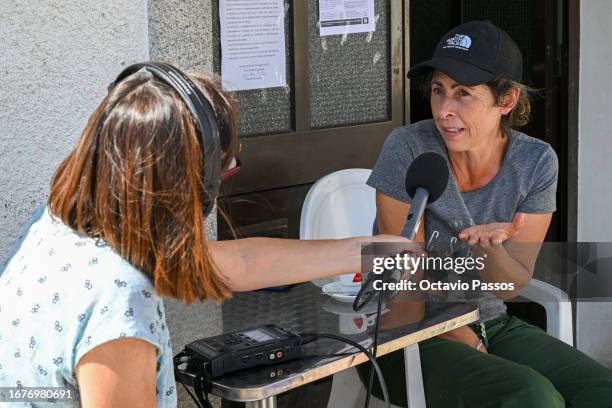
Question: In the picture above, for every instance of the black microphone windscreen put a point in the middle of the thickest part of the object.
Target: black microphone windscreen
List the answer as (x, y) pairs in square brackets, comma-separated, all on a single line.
[(430, 172)]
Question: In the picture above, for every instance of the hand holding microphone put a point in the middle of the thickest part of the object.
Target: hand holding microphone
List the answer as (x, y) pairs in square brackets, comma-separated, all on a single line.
[(426, 180)]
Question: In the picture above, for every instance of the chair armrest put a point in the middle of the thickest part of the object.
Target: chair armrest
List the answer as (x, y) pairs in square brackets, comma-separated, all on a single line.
[(558, 308), (539, 291)]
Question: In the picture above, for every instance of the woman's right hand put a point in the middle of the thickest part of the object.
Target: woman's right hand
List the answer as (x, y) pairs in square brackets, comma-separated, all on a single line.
[(387, 245)]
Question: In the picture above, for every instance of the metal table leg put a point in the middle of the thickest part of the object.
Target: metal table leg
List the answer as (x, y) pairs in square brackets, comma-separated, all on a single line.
[(414, 377), (269, 402)]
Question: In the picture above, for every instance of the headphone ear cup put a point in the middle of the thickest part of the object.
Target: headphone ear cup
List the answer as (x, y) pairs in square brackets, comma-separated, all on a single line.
[(208, 205)]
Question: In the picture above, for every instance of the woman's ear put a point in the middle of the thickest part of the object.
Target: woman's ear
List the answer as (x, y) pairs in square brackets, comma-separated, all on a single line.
[(509, 100)]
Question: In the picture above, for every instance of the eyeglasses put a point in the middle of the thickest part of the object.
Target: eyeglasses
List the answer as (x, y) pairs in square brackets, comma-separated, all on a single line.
[(233, 169)]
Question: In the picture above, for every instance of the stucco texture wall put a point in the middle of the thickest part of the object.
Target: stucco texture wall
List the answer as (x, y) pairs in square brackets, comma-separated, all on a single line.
[(181, 33), (56, 58)]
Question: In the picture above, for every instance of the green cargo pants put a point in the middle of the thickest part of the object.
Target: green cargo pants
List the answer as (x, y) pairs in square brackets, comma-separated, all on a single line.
[(525, 368)]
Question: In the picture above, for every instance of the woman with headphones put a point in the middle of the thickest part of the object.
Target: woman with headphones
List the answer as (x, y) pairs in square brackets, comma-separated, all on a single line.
[(81, 300)]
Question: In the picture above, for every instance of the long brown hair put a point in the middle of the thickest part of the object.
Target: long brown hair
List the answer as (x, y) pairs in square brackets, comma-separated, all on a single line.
[(135, 182)]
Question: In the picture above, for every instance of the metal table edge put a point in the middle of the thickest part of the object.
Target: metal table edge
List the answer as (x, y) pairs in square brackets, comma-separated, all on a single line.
[(340, 363)]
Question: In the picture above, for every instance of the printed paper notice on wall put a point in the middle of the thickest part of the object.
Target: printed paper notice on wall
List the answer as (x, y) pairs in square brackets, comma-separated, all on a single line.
[(252, 44), (346, 16)]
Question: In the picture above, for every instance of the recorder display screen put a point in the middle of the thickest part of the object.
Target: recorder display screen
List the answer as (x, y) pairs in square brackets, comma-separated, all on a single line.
[(259, 335)]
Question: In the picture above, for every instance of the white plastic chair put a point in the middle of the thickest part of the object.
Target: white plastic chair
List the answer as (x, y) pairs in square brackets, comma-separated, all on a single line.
[(558, 308), (341, 205)]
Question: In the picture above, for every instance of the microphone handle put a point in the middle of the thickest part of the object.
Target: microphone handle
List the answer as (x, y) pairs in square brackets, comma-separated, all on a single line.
[(419, 202)]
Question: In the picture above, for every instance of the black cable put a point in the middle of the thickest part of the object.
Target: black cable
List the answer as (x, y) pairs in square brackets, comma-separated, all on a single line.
[(192, 396), (308, 337), (327, 355), (374, 349), (364, 296), (184, 358), (201, 386)]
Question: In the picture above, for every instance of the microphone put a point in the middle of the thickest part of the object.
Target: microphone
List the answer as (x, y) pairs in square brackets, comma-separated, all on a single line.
[(426, 180)]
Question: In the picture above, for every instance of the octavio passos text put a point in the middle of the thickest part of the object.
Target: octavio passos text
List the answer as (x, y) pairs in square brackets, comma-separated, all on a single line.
[(459, 265)]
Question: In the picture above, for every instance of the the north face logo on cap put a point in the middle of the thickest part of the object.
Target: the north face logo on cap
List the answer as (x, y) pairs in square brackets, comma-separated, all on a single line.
[(459, 41)]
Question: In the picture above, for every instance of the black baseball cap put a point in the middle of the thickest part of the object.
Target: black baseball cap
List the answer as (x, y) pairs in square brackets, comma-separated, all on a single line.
[(474, 53)]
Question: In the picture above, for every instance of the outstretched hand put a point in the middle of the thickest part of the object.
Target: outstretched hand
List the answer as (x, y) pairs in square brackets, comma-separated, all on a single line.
[(493, 234)]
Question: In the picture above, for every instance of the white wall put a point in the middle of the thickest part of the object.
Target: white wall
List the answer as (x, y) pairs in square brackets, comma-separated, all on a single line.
[(595, 121), (56, 58), (594, 320)]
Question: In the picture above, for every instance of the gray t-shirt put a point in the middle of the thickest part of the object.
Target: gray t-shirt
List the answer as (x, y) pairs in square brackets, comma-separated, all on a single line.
[(526, 182)]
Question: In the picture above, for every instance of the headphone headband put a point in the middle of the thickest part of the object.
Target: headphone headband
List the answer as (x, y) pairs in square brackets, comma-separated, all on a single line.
[(203, 112)]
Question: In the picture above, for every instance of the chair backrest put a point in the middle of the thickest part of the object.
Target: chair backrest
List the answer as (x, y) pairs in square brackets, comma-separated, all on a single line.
[(339, 205)]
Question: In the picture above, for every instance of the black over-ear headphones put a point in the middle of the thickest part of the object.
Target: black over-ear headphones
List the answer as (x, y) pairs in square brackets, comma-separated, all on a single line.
[(203, 112)]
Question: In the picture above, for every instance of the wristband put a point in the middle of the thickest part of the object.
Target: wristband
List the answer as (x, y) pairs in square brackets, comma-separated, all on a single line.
[(478, 344)]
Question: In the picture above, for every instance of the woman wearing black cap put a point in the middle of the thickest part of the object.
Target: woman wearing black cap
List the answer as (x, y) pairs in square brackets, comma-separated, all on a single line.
[(502, 190)]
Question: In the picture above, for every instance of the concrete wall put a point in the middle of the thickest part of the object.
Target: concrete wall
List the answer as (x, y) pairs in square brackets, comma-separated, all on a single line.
[(594, 320), (56, 58), (181, 33)]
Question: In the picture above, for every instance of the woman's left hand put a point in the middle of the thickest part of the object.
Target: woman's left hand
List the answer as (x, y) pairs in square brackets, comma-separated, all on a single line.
[(493, 234)]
